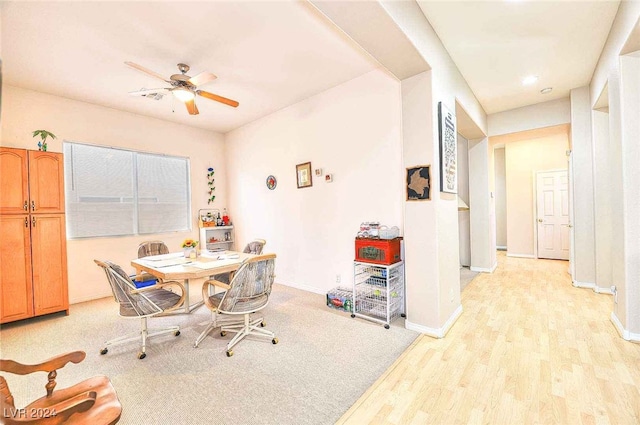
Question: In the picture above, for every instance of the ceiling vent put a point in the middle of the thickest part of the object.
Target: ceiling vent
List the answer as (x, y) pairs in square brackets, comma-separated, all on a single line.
[(153, 96)]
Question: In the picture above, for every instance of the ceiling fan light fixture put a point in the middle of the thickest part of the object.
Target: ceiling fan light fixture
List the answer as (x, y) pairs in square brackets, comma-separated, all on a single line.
[(183, 94)]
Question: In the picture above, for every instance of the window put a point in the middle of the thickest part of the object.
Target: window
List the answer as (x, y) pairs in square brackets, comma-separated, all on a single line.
[(116, 192)]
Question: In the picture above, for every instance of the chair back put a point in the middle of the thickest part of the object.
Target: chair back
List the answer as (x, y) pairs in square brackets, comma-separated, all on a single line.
[(250, 286), (255, 247), (123, 289), (146, 249)]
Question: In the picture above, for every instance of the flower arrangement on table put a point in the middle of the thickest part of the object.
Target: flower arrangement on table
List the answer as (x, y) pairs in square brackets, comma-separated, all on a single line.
[(189, 243), (189, 246)]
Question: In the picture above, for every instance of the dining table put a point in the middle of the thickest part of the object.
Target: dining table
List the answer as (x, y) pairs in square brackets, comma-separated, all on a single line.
[(177, 267)]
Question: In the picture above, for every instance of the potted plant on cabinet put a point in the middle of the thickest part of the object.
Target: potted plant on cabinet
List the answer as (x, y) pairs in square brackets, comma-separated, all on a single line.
[(44, 134)]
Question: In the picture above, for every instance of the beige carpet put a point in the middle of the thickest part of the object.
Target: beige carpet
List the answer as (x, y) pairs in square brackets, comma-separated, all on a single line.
[(325, 360)]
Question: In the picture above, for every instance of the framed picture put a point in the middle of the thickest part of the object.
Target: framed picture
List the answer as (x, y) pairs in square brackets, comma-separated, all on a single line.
[(419, 183), (448, 150), (303, 175)]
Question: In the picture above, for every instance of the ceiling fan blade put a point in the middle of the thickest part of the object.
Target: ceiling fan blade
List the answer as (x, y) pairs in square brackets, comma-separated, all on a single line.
[(217, 98), (191, 107), (202, 78), (149, 91), (145, 70)]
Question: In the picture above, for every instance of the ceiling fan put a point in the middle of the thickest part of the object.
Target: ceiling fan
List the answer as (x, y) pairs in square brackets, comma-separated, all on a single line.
[(183, 87)]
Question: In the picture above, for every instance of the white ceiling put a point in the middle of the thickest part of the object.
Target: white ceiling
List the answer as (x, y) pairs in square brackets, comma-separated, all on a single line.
[(266, 55), (496, 44), (271, 54)]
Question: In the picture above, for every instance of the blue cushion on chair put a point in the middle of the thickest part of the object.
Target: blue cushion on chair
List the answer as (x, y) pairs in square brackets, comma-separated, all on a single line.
[(143, 283)]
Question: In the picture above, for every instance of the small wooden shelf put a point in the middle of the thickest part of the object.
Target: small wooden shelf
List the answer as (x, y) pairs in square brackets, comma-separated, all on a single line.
[(217, 232)]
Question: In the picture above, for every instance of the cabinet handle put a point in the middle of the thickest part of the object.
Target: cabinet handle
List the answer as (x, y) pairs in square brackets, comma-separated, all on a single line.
[(33, 205), (26, 206), (26, 222), (33, 221)]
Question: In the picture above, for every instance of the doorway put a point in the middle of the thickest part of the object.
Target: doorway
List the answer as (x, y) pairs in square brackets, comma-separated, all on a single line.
[(552, 213)]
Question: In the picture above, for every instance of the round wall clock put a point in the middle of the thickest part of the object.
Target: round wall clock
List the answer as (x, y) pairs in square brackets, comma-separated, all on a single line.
[(271, 182)]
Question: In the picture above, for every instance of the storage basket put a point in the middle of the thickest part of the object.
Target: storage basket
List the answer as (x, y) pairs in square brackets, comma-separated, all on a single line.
[(378, 251), (389, 232), (341, 299)]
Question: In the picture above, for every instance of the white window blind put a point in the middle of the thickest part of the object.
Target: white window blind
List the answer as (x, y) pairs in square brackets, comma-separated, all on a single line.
[(115, 192)]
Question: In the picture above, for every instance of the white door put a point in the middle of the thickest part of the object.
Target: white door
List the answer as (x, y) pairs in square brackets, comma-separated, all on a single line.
[(572, 236), (552, 189)]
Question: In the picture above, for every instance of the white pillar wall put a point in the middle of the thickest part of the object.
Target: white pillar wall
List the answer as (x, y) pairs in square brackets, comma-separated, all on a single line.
[(583, 219), (617, 216), (602, 200), (420, 217), (630, 120), (482, 211), (464, 232)]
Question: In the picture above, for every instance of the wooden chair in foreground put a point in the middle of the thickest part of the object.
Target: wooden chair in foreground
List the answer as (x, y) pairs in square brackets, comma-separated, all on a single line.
[(90, 402), (247, 293)]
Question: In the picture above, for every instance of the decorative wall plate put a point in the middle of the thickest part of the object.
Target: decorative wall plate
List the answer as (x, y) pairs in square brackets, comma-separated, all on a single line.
[(271, 182)]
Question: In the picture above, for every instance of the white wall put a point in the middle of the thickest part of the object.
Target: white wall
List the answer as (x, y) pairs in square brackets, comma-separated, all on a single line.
[(623, 24), (24, 111), (621, 153), (630, 89), (540, 151), (464, 229), (603, 200), (351, 131), (583, 201), (500, 197), (482, 207), (449, 87), (546, 114)]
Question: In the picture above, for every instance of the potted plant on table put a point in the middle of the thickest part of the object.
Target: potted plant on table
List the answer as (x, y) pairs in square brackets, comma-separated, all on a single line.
[(189, 247)]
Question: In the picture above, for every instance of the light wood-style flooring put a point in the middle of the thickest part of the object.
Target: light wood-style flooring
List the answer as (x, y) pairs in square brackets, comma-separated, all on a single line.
[(529, 348)]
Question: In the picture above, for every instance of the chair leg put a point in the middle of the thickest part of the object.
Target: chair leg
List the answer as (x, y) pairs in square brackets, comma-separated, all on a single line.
[(211, 326), (143, 335), (216, 322), (248, 327)]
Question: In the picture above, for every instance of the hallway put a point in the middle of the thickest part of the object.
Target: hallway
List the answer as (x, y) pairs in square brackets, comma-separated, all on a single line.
[(528, 348)]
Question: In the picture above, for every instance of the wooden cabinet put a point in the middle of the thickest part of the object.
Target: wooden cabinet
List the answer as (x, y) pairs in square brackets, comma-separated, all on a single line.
[(32, 181), (16, 285), (49, 263), (14, 181), (33, 253)]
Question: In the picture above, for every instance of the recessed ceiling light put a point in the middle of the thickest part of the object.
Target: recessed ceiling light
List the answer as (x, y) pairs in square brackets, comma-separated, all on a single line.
[(546, 90), (530, 80)]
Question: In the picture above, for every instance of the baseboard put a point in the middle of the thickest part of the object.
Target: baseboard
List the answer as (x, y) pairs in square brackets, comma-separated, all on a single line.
[(593, 286), (306, 288), (484, 270), (587, 285), (625, 334), (89, 298), (521, 255), (599, 290), (433, 332), (501, 248)]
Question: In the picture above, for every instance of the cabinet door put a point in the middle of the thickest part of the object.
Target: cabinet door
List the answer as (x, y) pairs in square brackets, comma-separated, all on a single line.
[(16, 295), (14, 187), (46, 182), (49, 258)]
